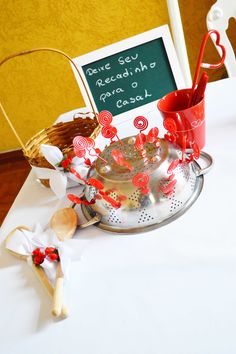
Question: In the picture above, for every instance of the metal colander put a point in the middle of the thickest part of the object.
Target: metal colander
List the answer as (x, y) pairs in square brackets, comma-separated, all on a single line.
[(140, 212)]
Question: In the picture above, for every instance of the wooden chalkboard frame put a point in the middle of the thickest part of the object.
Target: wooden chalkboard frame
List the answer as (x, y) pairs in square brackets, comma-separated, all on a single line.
[(160, 32)]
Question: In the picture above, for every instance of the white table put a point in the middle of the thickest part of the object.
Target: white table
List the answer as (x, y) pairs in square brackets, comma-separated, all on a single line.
[(168, 291)]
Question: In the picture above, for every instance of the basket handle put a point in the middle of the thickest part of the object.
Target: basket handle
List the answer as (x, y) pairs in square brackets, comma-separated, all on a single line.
[(41, 50)]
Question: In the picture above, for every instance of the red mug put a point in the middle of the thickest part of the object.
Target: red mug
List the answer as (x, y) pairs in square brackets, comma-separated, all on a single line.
[(189, 121)]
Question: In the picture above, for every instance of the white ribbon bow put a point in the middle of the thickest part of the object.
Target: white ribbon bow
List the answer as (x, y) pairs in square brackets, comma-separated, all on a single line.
[(24, 242), (59, 180)]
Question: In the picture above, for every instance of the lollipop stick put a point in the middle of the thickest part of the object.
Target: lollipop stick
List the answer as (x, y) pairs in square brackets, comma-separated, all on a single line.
[(98, 157), (119, 140)]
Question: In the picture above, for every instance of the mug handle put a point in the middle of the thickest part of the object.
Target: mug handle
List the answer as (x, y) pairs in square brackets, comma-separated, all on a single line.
[(209, 163)]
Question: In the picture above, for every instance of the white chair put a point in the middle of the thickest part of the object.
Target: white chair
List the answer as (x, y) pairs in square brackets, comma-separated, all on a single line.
[(179, 41), (218, 18)]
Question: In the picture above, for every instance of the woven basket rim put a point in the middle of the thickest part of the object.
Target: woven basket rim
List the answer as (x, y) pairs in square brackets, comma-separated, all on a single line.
[(29, 154)]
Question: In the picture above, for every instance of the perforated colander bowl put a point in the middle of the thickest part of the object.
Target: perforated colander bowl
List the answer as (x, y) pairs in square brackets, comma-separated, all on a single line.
[(140, 212)]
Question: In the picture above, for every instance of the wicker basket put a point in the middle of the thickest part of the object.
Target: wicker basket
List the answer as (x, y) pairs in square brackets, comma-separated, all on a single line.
[(60, 134)]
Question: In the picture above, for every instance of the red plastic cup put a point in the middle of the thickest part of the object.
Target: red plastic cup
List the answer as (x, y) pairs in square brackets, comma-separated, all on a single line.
[(190, 121)]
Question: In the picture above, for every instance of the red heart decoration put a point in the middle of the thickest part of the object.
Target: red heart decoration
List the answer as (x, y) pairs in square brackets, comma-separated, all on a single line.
[(221, 62), (200, 57)]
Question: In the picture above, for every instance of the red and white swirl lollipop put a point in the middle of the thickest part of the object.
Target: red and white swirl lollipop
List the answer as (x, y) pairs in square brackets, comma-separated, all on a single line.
[(79, 149), (80, 153), (153, 135), (196, 151), (139, 144), (141, 181), (109, 132), (169, 188), (120, 160), (141, 123), (195, 154), (91, 147), (82, 144), (105, 118), (140, 141), (173, 166), (90, 143), (170, 125)]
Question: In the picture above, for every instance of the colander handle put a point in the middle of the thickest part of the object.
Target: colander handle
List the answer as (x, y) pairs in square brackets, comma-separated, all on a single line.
[(94, 220), (209, 163)]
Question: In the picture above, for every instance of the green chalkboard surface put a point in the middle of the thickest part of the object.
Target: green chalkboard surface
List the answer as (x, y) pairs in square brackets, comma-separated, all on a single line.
[(130, 78)]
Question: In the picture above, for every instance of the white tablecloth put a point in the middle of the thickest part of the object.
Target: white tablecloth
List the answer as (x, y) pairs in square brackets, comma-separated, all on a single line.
[(167, 291)]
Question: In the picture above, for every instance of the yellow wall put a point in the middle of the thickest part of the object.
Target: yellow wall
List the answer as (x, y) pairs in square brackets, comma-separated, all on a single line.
[(35, 89)]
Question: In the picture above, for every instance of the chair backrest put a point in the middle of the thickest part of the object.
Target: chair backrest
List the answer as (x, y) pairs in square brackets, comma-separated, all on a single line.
[(218, 18), (179, 41)]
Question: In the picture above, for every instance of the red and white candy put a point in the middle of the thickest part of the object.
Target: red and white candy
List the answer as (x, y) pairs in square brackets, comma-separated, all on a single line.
[(83, 144), (109, 132), (105, 118), (141, 123)]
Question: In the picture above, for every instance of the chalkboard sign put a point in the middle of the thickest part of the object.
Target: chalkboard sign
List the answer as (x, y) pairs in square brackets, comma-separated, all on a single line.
[(132, 74)]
